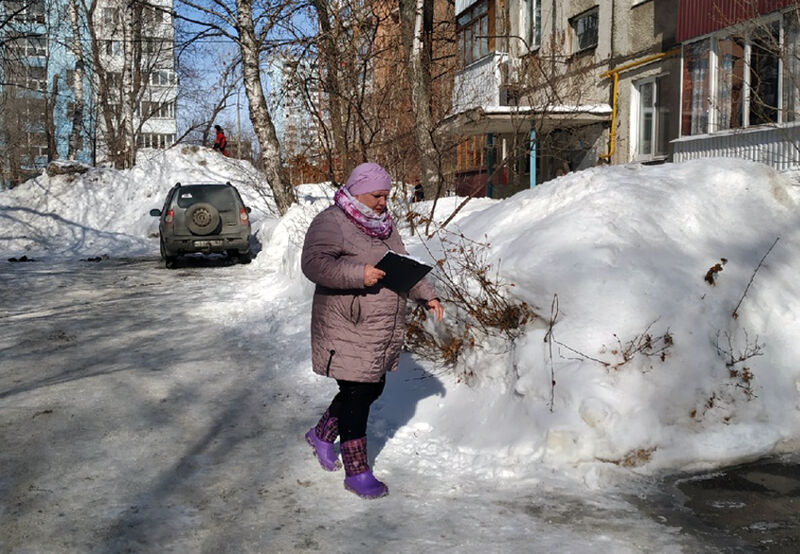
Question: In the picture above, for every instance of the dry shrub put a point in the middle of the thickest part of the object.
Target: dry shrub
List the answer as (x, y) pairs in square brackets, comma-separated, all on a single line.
[(480, 304)]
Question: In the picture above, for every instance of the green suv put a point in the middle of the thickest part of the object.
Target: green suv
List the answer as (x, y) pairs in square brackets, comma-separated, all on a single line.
[(203, 218)]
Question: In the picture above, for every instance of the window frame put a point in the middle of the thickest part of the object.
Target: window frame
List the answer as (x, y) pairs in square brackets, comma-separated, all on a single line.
[(656, 81), (478, 13), (745, 33), (576, 37)]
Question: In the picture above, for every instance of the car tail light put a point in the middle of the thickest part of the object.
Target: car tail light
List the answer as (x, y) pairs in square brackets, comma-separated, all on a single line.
[(170, 217), (243, 215)]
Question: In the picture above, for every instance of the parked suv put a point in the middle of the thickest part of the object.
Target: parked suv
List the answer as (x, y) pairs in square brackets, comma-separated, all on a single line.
[(203, 218)]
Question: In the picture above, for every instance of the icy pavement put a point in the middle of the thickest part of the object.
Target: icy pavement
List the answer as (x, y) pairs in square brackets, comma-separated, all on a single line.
[(150, 410)]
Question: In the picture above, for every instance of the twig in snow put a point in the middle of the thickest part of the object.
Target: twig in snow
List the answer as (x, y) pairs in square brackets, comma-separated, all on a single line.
[(735, 315), (549, 339)]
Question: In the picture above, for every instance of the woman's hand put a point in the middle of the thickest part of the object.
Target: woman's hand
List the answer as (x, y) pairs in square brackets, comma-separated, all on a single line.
[(372, 275), (436, 307)]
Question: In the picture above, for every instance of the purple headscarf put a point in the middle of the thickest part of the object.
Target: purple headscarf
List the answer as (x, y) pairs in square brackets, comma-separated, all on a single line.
[(365, 178), (368, 177)]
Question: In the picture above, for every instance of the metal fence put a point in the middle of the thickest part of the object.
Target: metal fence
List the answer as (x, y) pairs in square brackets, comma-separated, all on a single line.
[(777, 146)]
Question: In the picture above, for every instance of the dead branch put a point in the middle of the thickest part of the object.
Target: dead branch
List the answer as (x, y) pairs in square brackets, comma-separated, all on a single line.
[(735, 314)]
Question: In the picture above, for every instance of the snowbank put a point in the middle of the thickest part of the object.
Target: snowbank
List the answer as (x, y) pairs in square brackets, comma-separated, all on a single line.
[(629, 253)]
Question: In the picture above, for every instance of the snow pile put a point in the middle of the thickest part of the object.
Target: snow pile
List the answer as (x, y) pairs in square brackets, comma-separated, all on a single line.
[(106, 211), (630, 253), (645, 264)]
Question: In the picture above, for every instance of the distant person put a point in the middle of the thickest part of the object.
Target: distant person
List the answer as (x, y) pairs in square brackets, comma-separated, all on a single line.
[(221, 142), (419, 193), (357, 325)]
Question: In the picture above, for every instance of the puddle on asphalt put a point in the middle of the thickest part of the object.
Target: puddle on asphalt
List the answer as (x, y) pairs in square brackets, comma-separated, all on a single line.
[(751, 507)]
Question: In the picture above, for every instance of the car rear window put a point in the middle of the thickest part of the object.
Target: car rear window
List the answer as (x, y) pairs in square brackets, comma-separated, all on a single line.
[(221, 197)]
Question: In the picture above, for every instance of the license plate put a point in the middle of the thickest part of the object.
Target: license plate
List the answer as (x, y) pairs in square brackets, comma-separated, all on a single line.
[(207, 243)]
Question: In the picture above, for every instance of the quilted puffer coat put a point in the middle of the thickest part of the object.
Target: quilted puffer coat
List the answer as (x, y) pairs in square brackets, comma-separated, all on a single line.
[(356, 331)]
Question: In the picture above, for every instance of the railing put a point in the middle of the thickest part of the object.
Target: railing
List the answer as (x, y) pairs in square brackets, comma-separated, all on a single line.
[(777, 146)]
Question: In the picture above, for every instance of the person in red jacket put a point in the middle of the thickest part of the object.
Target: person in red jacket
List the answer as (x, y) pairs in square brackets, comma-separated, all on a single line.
[(221, 142)]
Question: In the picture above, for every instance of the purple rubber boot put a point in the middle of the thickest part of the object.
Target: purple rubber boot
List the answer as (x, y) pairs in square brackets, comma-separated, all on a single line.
[(321, 440), (359, 479)]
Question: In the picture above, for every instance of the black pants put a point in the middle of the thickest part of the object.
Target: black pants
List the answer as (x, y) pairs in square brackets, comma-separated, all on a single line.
[(351, 406)]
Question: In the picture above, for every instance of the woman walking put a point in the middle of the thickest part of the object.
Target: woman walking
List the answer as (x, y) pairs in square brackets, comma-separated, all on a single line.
[(357, 325)]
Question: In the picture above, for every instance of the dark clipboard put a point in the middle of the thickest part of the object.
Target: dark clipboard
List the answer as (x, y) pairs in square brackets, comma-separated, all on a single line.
[(402, 272)]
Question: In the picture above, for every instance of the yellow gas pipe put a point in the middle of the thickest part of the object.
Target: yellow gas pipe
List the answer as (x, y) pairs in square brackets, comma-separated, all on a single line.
[(615, 74)]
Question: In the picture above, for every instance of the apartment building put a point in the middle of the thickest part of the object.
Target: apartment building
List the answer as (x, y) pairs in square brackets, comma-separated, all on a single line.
[(295, 126), (37, 62), (551, 86), (50, 106), (154, 79)]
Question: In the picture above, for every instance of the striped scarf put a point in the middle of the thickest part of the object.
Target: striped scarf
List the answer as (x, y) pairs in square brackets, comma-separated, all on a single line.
[(374, 225)]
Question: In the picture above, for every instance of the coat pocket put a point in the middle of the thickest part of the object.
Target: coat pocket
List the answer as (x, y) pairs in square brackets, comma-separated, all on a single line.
[(328, 367), (355, 310)]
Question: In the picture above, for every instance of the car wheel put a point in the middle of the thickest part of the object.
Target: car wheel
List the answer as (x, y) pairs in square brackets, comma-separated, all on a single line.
[(245, 257), (169, 261), (202, 218)]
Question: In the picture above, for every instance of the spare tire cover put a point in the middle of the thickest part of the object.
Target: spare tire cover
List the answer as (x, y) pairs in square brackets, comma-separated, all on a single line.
[(202, 218)]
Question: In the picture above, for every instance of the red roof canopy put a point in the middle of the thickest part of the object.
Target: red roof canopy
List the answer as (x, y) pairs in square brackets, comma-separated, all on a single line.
[(699, 17)]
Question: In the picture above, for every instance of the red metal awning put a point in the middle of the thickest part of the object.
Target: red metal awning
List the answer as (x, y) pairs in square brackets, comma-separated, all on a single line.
[(700, 17)]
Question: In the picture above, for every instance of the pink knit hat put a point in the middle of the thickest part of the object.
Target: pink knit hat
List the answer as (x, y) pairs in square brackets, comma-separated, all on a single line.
[(368, 177)]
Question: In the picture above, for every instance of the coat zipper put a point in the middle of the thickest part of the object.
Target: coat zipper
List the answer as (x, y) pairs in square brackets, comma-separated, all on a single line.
[(328, 367)]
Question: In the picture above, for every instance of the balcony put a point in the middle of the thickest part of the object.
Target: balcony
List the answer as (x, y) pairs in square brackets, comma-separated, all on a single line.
[(480, 84)]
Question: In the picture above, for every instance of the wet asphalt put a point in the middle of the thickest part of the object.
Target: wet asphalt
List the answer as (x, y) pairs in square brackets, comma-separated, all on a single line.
[(751, 507)]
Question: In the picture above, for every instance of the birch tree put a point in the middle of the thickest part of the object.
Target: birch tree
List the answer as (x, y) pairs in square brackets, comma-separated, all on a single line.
[(131, 18), (238, 21), (76, 135)]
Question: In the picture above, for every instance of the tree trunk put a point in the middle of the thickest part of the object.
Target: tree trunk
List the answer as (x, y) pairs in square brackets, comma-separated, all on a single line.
[(331, 68), (259, 114), (128, 100), (416, 18), (105, 100), (76, 136), (50, 124)]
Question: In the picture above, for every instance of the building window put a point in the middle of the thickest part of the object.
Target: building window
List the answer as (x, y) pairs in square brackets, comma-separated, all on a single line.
[(152, 15), (29, 11), (36, 145), (738, 81), (154, 140), (650, 119), (153, 46), (27, 77), (470, 153), (37, 78), (584, 29), (112, 47), (110, 17), (114, 80), (730, 84), (764, 71), (535, 23), (162, 78), (694, 111), (475, 27), (156, 110), (28, 46)]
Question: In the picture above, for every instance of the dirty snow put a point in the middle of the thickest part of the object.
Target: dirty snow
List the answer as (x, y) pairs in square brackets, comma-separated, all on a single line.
[(623, 252)]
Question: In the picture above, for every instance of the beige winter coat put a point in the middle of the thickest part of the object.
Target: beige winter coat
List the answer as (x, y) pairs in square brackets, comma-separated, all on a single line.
[(356, 332)]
